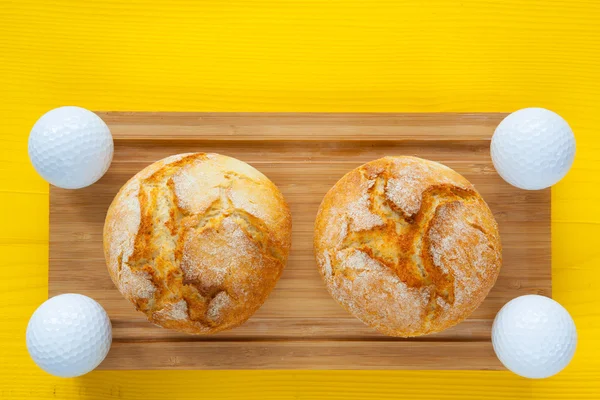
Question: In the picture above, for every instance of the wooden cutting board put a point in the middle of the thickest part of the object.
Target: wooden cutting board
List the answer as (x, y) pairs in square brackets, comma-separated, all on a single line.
[(300, 325)]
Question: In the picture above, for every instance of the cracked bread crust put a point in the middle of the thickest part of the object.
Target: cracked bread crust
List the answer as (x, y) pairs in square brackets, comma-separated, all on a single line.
[(197, 241), (407, 245)]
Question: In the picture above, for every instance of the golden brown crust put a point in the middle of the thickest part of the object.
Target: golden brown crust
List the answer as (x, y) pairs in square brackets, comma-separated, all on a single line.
[(407, 245), (197, 241)]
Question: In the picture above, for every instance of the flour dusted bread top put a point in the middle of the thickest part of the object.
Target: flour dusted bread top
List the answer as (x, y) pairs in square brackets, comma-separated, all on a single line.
[(407, 245), (197, 241)]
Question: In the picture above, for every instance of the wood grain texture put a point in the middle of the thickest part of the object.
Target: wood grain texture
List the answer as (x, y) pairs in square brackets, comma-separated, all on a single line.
[(300, 326), (298, 55)]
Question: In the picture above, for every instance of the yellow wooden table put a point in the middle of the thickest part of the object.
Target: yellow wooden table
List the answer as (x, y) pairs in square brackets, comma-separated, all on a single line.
[(298, 55)]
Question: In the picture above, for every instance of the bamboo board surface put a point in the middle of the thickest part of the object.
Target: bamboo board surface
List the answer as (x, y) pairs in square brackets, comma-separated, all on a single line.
[(299, 326)]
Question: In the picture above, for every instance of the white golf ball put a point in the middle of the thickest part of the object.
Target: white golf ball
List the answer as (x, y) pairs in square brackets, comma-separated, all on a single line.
[(70, 147), (69, 335), (533, 148), (534, 336)]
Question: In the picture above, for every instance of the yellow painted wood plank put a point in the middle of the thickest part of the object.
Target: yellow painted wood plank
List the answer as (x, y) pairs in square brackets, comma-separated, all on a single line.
[(293, 55)]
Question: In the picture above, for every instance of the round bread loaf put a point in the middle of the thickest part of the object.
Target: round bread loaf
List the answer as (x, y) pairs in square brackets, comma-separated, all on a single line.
[(407, 245), (197, 241)]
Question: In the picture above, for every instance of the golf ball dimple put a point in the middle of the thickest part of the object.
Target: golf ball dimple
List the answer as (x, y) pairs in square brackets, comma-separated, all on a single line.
[(70, 147), (533, 148), (534, 336), (69, 335)]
